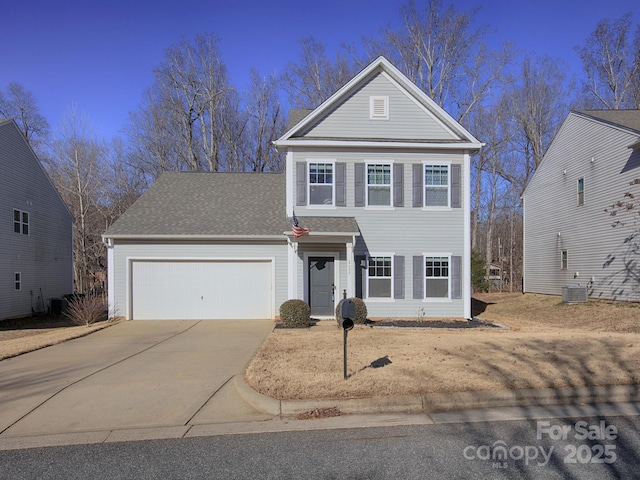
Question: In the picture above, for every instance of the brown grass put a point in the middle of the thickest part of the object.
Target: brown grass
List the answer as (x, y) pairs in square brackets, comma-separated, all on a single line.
[(548, 345)]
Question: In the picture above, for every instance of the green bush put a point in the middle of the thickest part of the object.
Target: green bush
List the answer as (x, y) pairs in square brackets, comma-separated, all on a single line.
[(361, 311), (295, 314)]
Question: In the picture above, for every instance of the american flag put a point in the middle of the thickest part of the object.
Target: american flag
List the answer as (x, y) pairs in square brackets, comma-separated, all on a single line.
[(298, 231)]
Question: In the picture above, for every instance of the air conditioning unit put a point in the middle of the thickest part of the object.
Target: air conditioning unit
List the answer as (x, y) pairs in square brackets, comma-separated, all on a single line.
[(574, 294)]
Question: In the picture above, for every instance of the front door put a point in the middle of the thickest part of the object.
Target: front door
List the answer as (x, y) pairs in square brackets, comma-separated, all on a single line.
[(321, 285)]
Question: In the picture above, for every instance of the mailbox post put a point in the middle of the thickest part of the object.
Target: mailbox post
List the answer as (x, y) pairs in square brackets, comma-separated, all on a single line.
[(347, 313)]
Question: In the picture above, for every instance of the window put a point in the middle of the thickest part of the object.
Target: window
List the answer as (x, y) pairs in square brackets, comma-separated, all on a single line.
[(379, 108), (20, 222), (437, 277), (581, 191), (564, 260), (320, 183), (17, 281), (379, 184), (380, 277), (436, 185)]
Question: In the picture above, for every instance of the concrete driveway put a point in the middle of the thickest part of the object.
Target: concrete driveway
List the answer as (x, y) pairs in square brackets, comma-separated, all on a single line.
[(134, 375)]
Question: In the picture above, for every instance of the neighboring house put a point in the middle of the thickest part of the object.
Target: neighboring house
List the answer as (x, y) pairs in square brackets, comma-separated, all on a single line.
[(378, 173), (36, 231), (568, 236)]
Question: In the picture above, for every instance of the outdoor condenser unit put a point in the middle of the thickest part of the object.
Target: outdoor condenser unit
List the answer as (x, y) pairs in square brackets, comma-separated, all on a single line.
[(574, 294)]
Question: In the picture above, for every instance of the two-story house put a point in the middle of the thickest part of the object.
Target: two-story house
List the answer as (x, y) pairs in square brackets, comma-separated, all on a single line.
[(36, 231), (377, 185), (568, 236)]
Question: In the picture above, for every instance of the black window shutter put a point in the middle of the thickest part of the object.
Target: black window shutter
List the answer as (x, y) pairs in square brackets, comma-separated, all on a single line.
[(341, 187), (456, 186), (360, 275), (398, 185), (418, 170), (359, 184), (301, 183), (418, 276), (398, 276), (456, 277)]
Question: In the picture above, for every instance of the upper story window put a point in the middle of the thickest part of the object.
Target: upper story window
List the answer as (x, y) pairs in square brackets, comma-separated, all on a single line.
[(380, 277), (321, 183), (437, 277), (379, 184), (20, 222), (17, 281), (436, 185), (378, 108), (581, 191)]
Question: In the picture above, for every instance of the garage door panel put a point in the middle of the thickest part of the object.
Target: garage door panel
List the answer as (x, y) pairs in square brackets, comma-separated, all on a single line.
[(201, 289)]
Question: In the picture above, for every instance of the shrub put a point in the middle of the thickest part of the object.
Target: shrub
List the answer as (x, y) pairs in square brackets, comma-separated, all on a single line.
[(86, 310), (361, 311), (295, 314)]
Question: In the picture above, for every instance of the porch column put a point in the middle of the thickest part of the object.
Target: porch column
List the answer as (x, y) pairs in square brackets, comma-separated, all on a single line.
[(351, 282), (292, 277)]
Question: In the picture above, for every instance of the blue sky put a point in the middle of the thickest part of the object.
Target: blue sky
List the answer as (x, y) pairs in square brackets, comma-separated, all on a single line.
[(99, 54)]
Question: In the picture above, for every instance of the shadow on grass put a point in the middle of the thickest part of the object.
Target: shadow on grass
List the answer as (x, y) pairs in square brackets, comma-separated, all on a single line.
[(478, 307), (37, 322)]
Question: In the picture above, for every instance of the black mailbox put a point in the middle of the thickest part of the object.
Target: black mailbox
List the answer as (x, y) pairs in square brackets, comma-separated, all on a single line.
[(347, 313)]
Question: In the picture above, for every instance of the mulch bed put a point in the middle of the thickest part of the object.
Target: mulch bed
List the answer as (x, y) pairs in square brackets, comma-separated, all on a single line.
[(36, 322), (455, 324)]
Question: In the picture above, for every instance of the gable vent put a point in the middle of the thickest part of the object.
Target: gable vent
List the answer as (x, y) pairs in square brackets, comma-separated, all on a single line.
[(379, 108)]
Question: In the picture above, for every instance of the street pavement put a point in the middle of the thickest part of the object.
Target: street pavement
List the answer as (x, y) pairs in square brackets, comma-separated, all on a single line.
[(175, 379)]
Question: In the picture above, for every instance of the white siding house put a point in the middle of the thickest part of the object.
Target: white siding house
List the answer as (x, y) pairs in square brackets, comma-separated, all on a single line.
[(378, 174), (568, 237), (36, 231)]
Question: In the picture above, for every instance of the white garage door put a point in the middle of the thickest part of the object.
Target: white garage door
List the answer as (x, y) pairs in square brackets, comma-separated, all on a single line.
[(176, 290)]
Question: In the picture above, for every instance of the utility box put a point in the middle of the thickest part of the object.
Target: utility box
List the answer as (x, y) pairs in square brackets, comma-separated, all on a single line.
[(574, 294)]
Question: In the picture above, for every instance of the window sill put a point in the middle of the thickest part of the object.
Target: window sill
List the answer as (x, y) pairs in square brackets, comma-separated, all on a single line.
[(437, 209), (380, 300), (321, 207), (379, 207), (437, 300)]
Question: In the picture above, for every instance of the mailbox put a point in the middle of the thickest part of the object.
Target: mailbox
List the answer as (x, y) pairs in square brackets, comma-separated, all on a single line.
[(347, 313)]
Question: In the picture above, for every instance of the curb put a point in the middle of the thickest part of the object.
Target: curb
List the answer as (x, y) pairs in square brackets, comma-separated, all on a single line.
[(442, 402)]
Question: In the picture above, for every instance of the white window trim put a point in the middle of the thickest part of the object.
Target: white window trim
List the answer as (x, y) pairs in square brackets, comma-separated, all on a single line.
[(562, 267), (381, 299), (22, 224), (578, 192), (332, 162), (17, 282), (425, 164), (366, 185), (426, 299), (372, 101)]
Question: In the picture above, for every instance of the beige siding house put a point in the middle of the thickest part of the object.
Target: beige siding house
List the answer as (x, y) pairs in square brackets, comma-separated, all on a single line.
[(568, 236), (36, 231)]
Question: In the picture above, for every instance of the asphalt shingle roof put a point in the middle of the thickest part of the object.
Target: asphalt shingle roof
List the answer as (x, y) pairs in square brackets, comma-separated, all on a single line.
[(625, 118), (211, 204)]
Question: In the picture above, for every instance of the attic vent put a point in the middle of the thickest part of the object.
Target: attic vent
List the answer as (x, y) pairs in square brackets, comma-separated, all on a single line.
[(574, 294), (379, 108)]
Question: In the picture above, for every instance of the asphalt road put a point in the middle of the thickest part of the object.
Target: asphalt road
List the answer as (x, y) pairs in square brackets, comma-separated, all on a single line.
[(576, 448)]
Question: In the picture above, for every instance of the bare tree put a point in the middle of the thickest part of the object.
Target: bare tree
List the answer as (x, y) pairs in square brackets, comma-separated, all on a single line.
[(611, 61), (185, 115), (266, 124), (77, 170), (536, 101), (441, 51), (20, 105), (315, 77)]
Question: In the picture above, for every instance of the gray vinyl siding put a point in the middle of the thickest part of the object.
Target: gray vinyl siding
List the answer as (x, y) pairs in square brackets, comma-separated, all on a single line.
[(407, 120), (554, 222), (44, 257), (403, 231), (123, 250)]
